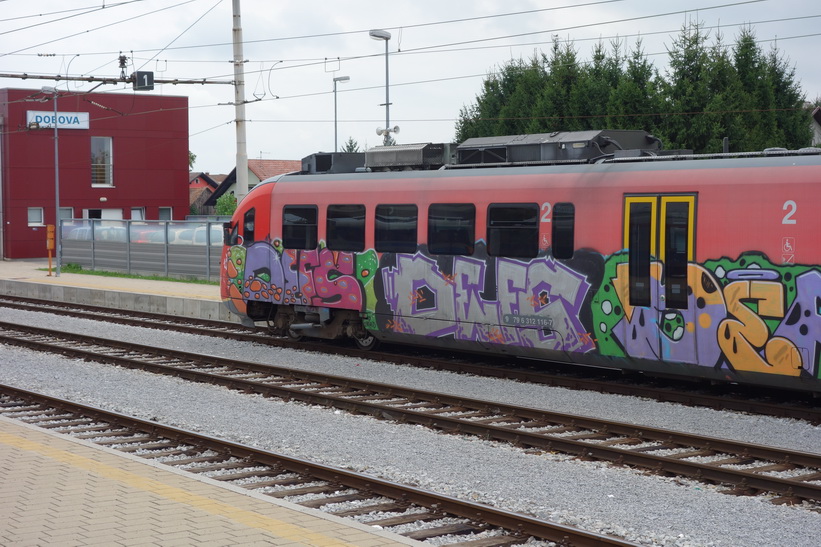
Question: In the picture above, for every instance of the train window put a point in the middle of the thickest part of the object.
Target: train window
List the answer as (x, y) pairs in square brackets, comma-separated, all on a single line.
[(248, 226), (564, 222), (639, 243), (299, 224), (346, 227), (396, 228), (451, 228), (677, 251), (513, 229)]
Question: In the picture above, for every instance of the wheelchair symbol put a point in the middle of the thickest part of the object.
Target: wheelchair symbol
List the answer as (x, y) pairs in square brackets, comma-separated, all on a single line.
[(788, 245)]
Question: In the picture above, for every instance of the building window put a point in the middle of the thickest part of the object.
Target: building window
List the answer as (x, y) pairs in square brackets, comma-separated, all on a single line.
[(66, 213), (451, 228), (138, 213), (165, 213), (35, 216), (396, 228), (299, 226), (513, 229), (346, 227), (102, 162)]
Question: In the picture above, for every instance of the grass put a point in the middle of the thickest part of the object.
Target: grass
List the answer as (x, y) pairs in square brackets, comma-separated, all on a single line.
[(77, 269)]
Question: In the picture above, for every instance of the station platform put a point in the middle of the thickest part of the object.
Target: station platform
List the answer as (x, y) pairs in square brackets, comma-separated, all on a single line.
[(31, 279), (56, 490)]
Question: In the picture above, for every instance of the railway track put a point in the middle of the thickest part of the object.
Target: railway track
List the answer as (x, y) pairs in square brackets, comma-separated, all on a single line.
[(612, 382), (376, 502), (747, 468)]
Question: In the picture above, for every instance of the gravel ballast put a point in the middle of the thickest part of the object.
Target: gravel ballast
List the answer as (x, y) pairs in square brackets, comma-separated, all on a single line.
[(595, 496)]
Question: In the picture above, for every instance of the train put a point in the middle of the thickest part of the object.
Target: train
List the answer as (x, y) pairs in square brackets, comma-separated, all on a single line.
[(596, 248)]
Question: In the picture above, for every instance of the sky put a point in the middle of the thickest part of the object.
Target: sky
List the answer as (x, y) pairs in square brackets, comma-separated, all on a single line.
[(438, 55)]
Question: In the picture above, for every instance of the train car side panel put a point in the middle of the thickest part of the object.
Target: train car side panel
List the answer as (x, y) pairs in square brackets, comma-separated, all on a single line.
[(706, 269)]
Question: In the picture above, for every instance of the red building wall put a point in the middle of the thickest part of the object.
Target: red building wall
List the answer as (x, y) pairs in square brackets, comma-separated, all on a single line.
[(149, 135)]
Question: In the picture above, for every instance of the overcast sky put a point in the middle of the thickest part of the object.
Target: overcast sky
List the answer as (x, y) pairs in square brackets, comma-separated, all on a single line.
[(439, 54)]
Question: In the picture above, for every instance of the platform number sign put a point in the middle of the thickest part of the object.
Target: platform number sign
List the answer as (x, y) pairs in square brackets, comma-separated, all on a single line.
[(143, 81)]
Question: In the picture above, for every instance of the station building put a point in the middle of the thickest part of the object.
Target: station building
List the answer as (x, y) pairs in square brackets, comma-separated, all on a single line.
[(119, 156)]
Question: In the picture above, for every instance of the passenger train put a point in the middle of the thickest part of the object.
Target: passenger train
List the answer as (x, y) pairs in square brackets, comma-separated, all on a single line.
[(596, 248)]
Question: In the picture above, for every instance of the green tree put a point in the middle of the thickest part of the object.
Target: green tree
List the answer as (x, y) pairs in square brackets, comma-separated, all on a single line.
[(746, 124), (788, 103), (729, 104), (685, 92), (350, 145), (192, 157), (522, 82), (497, 110), (226, 204), (590, 96), (634, 103), (710, 90), (553, 105)]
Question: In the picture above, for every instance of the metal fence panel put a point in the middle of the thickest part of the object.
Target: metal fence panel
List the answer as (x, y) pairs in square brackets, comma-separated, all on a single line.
[(166, 248)]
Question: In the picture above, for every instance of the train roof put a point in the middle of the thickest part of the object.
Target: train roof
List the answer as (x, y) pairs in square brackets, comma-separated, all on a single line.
[(561, 148)]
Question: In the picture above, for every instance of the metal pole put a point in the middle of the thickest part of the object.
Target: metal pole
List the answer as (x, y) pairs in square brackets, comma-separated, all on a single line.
[(380, 34), (387, 97), (337, 79), (57, 225), (239, 106)]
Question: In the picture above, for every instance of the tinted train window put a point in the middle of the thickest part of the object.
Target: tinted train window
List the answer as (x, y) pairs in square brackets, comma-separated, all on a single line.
[(346, 227), (299, 226), (676, 244), (641, 214), (451, 228), (248, 227), (564, 221), (396, 228), (513, 229)]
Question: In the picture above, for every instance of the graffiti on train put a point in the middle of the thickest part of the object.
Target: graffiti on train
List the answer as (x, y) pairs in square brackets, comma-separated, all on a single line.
[(462, 302), (746, 314), (292, 277)]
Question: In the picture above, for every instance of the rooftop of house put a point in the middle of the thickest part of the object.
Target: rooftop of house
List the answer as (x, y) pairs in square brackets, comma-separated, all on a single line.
[(265, 169)]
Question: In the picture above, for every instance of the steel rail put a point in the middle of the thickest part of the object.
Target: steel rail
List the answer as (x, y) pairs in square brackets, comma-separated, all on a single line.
[(518, 524), (222, 329), (364, 397)]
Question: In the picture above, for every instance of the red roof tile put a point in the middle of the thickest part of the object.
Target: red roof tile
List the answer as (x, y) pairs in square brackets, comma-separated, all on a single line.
[(264, 169)]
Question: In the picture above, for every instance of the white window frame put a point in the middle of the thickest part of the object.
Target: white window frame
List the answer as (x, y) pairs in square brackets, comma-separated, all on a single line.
[(39, 213), (140, 213), (107, 163), (170, 213)]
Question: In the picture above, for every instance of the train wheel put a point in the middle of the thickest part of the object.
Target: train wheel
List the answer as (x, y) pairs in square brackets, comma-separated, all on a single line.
[(367, 342), (294, 335)]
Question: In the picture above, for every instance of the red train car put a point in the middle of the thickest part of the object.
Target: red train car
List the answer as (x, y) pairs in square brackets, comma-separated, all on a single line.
[(703, 267)]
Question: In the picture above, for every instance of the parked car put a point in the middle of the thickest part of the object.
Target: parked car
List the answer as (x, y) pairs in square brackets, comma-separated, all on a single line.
[(216, 235)]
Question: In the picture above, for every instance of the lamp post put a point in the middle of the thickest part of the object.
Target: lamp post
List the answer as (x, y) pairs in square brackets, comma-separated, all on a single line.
[(342, 79), (57, 230), (378, 34)]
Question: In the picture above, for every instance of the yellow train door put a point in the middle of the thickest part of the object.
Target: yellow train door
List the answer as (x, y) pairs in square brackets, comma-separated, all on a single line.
[(659, 236)]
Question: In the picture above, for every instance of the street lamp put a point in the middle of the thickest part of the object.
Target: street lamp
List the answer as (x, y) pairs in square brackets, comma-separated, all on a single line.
[(342, 79), (378, 34), (57, 231)]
